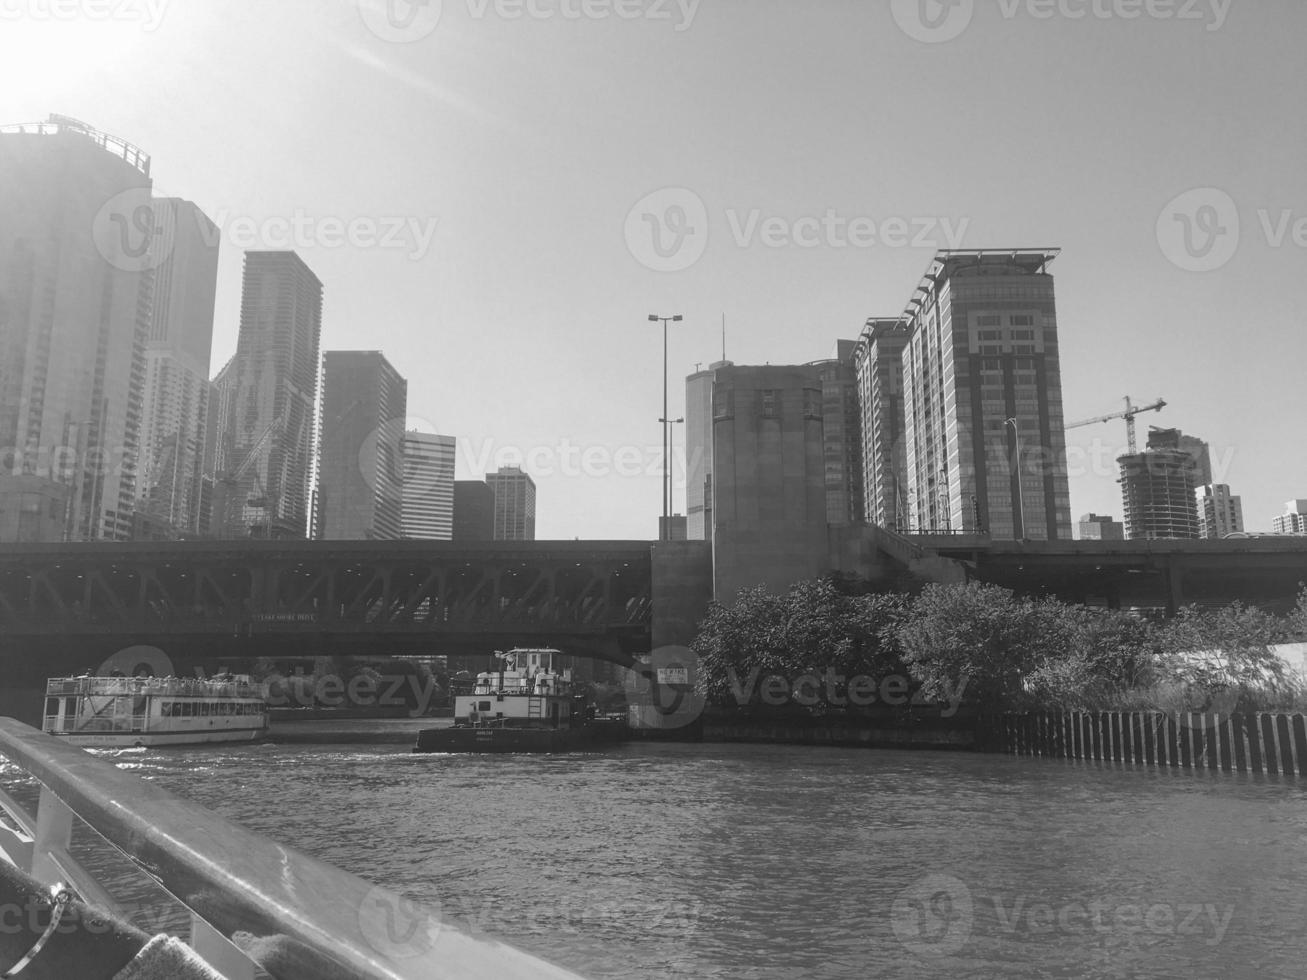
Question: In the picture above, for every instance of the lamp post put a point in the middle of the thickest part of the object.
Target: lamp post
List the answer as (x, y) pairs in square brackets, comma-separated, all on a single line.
[(671, 483), (1021, 495), (665, 530)]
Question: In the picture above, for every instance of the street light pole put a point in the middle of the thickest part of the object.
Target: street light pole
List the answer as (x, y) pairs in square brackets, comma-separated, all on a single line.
[(671, 452), (664, 531), (1021, 494)]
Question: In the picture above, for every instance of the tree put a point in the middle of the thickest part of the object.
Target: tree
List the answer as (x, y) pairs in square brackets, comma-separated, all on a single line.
[(978, 638), (812, 630)]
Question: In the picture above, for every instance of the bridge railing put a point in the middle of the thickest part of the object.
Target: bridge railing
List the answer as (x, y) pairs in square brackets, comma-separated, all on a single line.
[(313, 919)]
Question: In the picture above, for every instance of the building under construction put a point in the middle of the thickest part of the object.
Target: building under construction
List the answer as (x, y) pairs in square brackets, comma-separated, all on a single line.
[(1157, 488)]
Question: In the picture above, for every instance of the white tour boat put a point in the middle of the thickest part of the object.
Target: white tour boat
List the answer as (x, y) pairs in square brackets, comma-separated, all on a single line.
[(121, 712)]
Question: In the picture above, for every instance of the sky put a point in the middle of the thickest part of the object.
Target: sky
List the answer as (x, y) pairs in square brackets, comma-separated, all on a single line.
[(498, 193)]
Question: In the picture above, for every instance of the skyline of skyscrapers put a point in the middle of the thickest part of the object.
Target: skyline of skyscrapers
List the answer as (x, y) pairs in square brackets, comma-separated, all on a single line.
[(947, 418)]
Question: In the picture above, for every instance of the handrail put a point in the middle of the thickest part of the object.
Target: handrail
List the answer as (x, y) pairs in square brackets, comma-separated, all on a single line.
[(327, 922)]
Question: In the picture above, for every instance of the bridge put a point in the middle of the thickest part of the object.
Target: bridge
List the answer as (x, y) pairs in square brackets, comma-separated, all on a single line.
[(1164, 575), (79, 603)]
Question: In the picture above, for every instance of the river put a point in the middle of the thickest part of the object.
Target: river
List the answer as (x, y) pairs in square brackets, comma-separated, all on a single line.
[(758, 861)]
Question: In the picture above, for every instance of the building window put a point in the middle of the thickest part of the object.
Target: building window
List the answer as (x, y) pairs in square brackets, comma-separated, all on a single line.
[(989, 320), (723, 403), (1022, 320), (812, 403), (770, 403), (991, 335)]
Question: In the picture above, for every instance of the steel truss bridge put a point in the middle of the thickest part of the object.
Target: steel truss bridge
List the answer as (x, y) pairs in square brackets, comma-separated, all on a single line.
[(286, 598)]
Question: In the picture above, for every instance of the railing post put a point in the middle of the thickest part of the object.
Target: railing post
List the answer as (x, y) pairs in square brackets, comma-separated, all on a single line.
[(219, 951), (54, 832)]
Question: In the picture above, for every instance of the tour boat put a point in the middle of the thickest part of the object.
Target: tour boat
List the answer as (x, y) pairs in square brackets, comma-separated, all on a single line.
[(122, 712), (525, 706)]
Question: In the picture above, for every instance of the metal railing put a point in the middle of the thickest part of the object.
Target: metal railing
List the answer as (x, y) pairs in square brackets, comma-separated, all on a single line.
[(321, 921)]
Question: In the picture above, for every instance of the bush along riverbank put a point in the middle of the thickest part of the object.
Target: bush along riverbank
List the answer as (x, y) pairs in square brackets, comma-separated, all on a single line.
[(832, 662)]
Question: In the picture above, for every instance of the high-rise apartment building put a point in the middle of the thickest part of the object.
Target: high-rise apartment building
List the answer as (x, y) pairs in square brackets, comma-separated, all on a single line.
[(1158, 491), (1219, 512), (429, 486), (177, 351), (1094, 527), (1293, 520), (515, 504), (985, 446), (76, 232), (267, 433), (698, 452), (361, 440), (878, 362), (474, 511)]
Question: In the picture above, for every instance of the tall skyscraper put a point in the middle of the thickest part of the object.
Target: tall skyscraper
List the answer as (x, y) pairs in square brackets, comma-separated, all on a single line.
[(878, 362), (474, 511), (76, 229), (361, 458), (698, 452), (1096, 528), (1293, 520), (429, 486), (177, 354), (1219, 512), (1158, 491), (515, 504), (982, 388), (268, 430)]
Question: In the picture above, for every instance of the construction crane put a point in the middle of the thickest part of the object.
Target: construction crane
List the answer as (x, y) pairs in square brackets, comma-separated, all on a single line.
[(1131, 410)]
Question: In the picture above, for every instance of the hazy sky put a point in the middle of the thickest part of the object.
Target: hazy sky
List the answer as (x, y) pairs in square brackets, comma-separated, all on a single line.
[(491, 166)]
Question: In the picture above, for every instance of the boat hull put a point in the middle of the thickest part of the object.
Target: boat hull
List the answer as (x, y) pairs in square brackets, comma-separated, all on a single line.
[(469, 738), (128, 740)]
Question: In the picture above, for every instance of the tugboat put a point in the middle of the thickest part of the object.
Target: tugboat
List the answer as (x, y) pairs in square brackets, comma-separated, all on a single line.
[(525, 706)]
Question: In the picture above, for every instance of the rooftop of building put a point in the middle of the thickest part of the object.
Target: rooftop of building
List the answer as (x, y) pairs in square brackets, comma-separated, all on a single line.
[(58, 125)]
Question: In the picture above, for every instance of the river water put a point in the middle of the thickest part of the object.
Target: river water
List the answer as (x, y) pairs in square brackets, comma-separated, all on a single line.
[(757, 861)]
